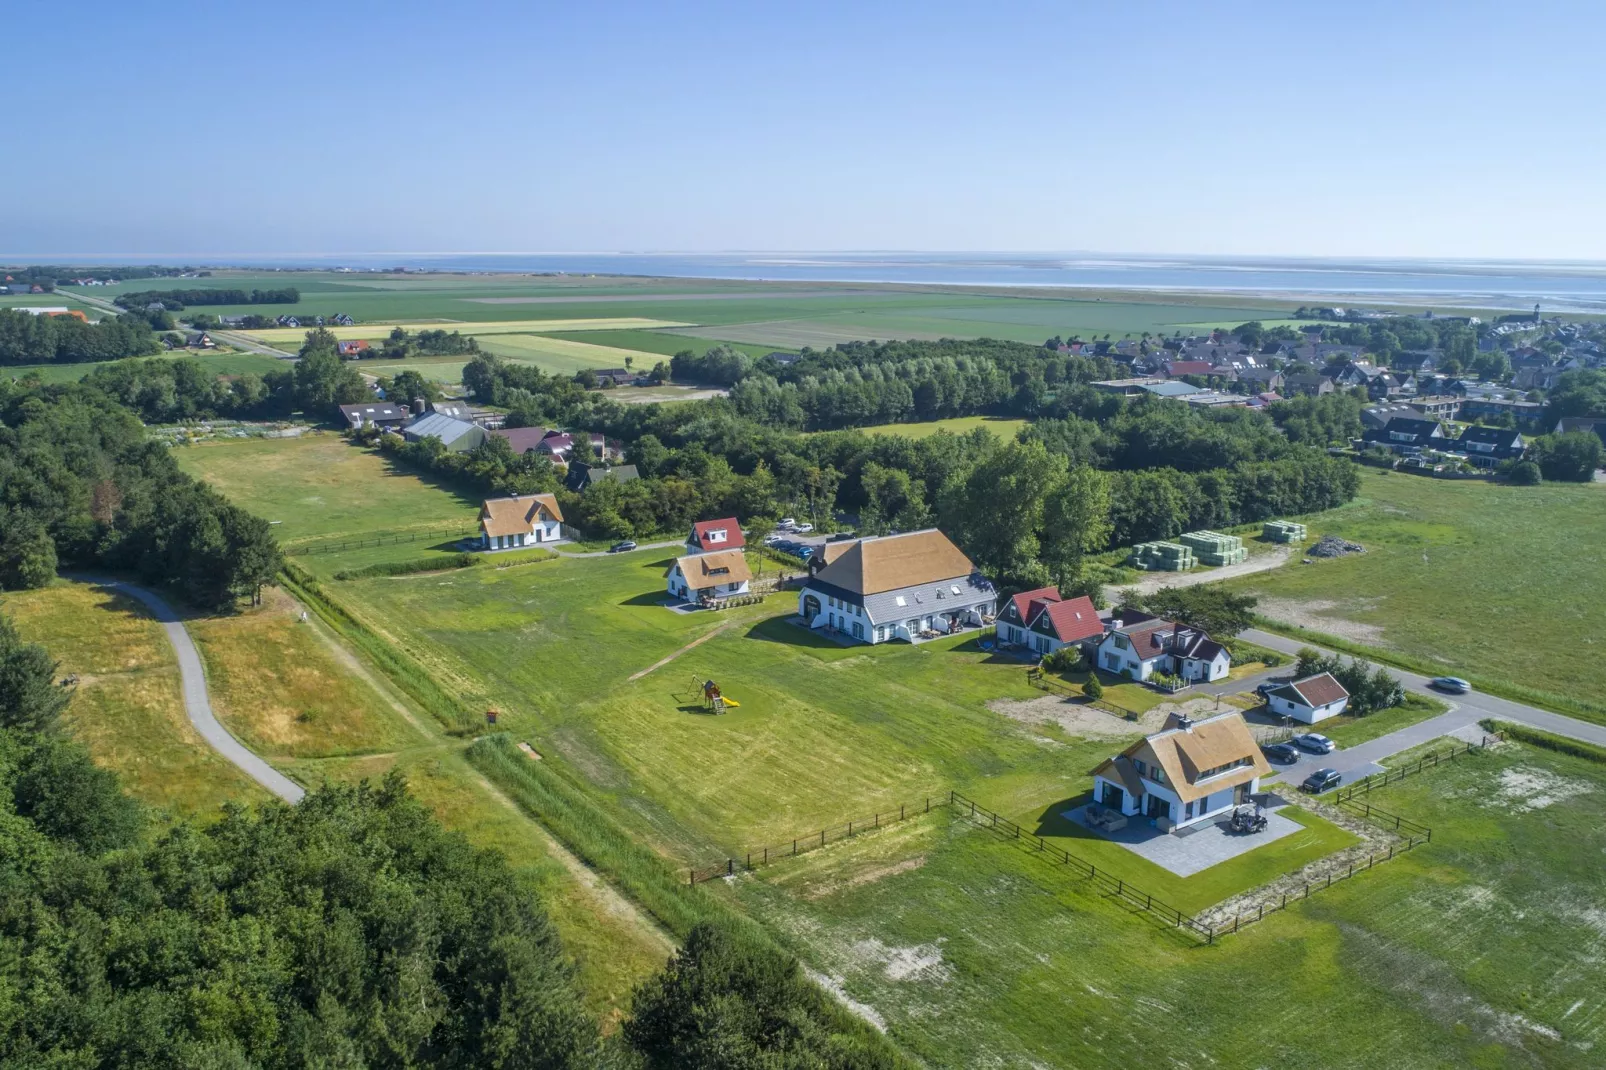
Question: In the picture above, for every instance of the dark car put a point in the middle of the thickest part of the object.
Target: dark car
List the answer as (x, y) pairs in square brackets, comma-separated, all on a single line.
[(843, 536), (1265, 689), (1314, 742), (622, 547), (1281, 752), (1452, 684), (1322, 780)]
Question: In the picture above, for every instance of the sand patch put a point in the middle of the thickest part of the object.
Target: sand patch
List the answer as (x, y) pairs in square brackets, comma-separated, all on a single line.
[(1524, 788), (867, 876), (922, 962), (1075, 718), (1316, 616), (833, 985)]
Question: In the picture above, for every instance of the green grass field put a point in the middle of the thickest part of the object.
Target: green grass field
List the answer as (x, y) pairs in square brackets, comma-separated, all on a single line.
[(1482, 949), (1492, 582), (958, 425), (218, 363)]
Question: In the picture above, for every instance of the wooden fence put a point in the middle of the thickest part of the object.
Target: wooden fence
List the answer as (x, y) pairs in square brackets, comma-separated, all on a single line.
[(1365, 785), (392, 539), (813, 841)]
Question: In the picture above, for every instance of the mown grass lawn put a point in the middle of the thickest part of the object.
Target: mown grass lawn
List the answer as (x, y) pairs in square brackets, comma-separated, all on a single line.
[(959, 425), (1484, 949), (1486, 580)]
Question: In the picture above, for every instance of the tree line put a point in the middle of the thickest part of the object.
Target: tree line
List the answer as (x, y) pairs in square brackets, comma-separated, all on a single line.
[(349, 930), (177, 300), (26, 338), (82, 486)]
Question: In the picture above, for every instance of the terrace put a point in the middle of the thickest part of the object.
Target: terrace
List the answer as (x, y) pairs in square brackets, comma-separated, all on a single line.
[(1191, 849)]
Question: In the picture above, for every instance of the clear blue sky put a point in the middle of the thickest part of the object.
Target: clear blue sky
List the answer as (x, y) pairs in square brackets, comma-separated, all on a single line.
[(1355, 128)]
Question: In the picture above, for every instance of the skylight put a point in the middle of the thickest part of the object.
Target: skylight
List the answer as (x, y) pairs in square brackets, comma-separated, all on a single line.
[(901, 601)]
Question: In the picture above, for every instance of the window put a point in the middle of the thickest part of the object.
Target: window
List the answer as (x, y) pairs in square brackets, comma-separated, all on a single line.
[(858, 630), (1218, 770), (900, 600), (954, 588), (1120, 642), (1187, 811), (1138, 764)]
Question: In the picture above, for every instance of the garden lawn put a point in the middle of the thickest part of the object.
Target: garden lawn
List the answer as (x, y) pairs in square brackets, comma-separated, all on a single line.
[(128, 707), (1482, 949), (1499, 584)]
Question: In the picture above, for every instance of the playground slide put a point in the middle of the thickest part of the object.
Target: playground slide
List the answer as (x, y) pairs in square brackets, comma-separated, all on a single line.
[(731, 702)]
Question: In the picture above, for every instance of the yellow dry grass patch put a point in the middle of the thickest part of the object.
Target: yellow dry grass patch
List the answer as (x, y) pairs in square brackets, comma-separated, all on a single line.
[(128, 708), (380, 330), (277, 687), (536, 346)]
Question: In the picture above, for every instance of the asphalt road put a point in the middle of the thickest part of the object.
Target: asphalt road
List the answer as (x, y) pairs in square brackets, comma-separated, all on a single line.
[(1465, 712), (197, 702)]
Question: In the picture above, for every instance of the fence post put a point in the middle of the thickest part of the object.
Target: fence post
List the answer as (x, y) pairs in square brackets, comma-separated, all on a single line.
[(1285, 900), (794, 847), (766, 856), (822, 837), (850, 829), (730, 867), (1120, 887), (1262, 913), (693, 876), (900, 813), (749, 859)]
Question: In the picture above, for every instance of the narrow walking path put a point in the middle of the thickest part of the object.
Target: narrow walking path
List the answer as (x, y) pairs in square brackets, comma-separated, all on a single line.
[(661, 662), (197, 702)]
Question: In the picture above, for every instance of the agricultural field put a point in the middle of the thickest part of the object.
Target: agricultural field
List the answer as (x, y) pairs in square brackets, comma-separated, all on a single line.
[(582, 326), (661, 344), (217, 363), (1480, 949), (1494, 583)]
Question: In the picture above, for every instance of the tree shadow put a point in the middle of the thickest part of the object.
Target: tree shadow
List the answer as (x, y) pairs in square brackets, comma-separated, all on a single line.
[(394, 467)]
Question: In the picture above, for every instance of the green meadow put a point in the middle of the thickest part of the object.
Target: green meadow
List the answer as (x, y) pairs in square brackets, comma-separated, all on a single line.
[(1499, 584), (218, 363)]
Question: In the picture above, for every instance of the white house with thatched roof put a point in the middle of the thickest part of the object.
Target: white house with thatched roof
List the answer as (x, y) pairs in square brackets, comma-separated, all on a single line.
[(523, 521), (709, 577), (1187, 773), (913, 586)]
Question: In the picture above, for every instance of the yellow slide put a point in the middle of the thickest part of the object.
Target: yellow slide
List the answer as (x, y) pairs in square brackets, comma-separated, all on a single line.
[(730, 701)]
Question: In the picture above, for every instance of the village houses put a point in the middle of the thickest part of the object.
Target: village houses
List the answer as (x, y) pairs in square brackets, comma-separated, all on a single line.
[(913, 586), (1042, 621), (1138, 646), (1187, 773)]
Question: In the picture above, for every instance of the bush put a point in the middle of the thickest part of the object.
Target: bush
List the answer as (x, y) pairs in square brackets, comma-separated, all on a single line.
[(1535, 737), (406, 568), (1093, 689), (1525, 474), (1065, 659)]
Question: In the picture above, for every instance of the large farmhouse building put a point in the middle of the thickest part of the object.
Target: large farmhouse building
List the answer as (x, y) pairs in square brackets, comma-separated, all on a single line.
[(913, 586)]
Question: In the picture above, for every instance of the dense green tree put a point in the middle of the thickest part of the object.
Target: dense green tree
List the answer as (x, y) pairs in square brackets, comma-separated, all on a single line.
[(1076, 521), (30, 698), (1573, 457), (407, 385), (1212, 609)]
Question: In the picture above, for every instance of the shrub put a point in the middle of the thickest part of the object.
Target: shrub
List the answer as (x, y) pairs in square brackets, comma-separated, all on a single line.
[(1065, 659), (1093, 689), (1535, 737), (406, 568)]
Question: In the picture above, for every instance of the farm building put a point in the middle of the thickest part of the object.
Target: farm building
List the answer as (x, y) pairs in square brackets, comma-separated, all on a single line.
[(1043, 621), (1315, 698), (1138, 646), (1162, 557), (709, 535), (1283, 531), (378, 413), (1214, 548), (1187, 773), (913, 586), (522, 521), (458, 436), (709, 577)]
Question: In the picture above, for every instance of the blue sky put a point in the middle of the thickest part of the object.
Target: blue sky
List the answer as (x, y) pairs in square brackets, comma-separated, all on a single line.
[(1358, 128)]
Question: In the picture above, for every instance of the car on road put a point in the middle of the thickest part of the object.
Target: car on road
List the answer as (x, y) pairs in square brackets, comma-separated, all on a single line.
[(1452, 684), (805, 552), (1266, 688), (1281, 752), (1314, 742), (773, 540), (803, 529), (1322, 780), (622, 547), (842, 536)]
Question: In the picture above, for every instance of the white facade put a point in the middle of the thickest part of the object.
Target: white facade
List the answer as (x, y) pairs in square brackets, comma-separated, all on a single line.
[(819, 609), (1117, 656), (1159, 802), (1300, 711), (1203, 670), (540, 531), (681, 589)]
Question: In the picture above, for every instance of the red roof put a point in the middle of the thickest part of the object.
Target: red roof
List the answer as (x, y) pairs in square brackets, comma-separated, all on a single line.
[(1023, 602), (1319, 690), (1075, 619), (733, 534)]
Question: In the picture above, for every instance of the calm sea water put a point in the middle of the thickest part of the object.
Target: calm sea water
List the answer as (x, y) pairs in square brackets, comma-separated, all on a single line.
[(1572, 286)]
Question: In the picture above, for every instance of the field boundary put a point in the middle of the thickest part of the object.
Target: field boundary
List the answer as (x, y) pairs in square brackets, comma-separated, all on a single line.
[(382, 539), (812, 841), (1365, 785)]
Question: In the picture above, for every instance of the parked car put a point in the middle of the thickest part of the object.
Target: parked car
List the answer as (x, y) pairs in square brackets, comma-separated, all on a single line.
[(1453, 684), (1266, 688), (786, 523), (773, 540), (843, 536), (622, 547), (1281, 752), (805, 552), (803, 529), (1314, 742), (1322, 780)]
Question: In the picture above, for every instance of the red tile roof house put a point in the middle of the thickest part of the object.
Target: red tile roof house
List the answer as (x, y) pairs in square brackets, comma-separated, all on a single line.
[(352, 349), (709, 535), (1139, 649), (1043, 621), (1315, 698)]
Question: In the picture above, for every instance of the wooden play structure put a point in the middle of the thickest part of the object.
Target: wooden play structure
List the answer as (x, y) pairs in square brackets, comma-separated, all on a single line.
[(716, 700)]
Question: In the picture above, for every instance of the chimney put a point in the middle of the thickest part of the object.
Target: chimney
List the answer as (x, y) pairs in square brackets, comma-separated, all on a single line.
[(419, 407), (1185, 723)]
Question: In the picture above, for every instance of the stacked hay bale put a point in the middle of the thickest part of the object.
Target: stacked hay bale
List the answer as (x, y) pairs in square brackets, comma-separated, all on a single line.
[(1162, 557), (1214, 548), (1283, 531)]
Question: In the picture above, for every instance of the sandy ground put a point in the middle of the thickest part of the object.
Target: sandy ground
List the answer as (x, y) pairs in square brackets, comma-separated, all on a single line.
[(1154, 581), (1313, 615), (1087, 722)]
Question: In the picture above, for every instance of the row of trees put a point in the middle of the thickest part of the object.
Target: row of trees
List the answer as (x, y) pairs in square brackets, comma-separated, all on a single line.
[(176, 300), (29, 339), (81, 485)]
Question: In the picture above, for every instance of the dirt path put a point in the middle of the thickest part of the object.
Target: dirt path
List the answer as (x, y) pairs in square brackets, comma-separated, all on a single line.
[(1158, 580), (607, 899), (661, 662)]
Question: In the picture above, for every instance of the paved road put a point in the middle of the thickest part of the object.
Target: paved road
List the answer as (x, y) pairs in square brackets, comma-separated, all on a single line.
[(606, 553), (197, 703), (1466, 711)]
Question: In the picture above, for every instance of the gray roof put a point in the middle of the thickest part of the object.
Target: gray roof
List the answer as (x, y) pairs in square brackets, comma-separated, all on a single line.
[(438, 425), (1171, 390), (374, 411), (919, 600)]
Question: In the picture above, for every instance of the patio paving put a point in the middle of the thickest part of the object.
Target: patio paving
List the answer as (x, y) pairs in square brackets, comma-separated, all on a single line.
[(1195, 848)]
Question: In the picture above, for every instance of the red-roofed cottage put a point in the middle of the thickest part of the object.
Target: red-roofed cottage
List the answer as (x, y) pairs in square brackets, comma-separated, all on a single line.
[(710, 535), (1043, 622)]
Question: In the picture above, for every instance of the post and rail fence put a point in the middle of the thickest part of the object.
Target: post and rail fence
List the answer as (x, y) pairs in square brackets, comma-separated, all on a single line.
[(382, 539), (1365, 785), (813, 841)]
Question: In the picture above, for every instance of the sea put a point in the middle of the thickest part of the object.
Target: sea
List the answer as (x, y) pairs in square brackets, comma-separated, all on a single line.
[(1557, 286)]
